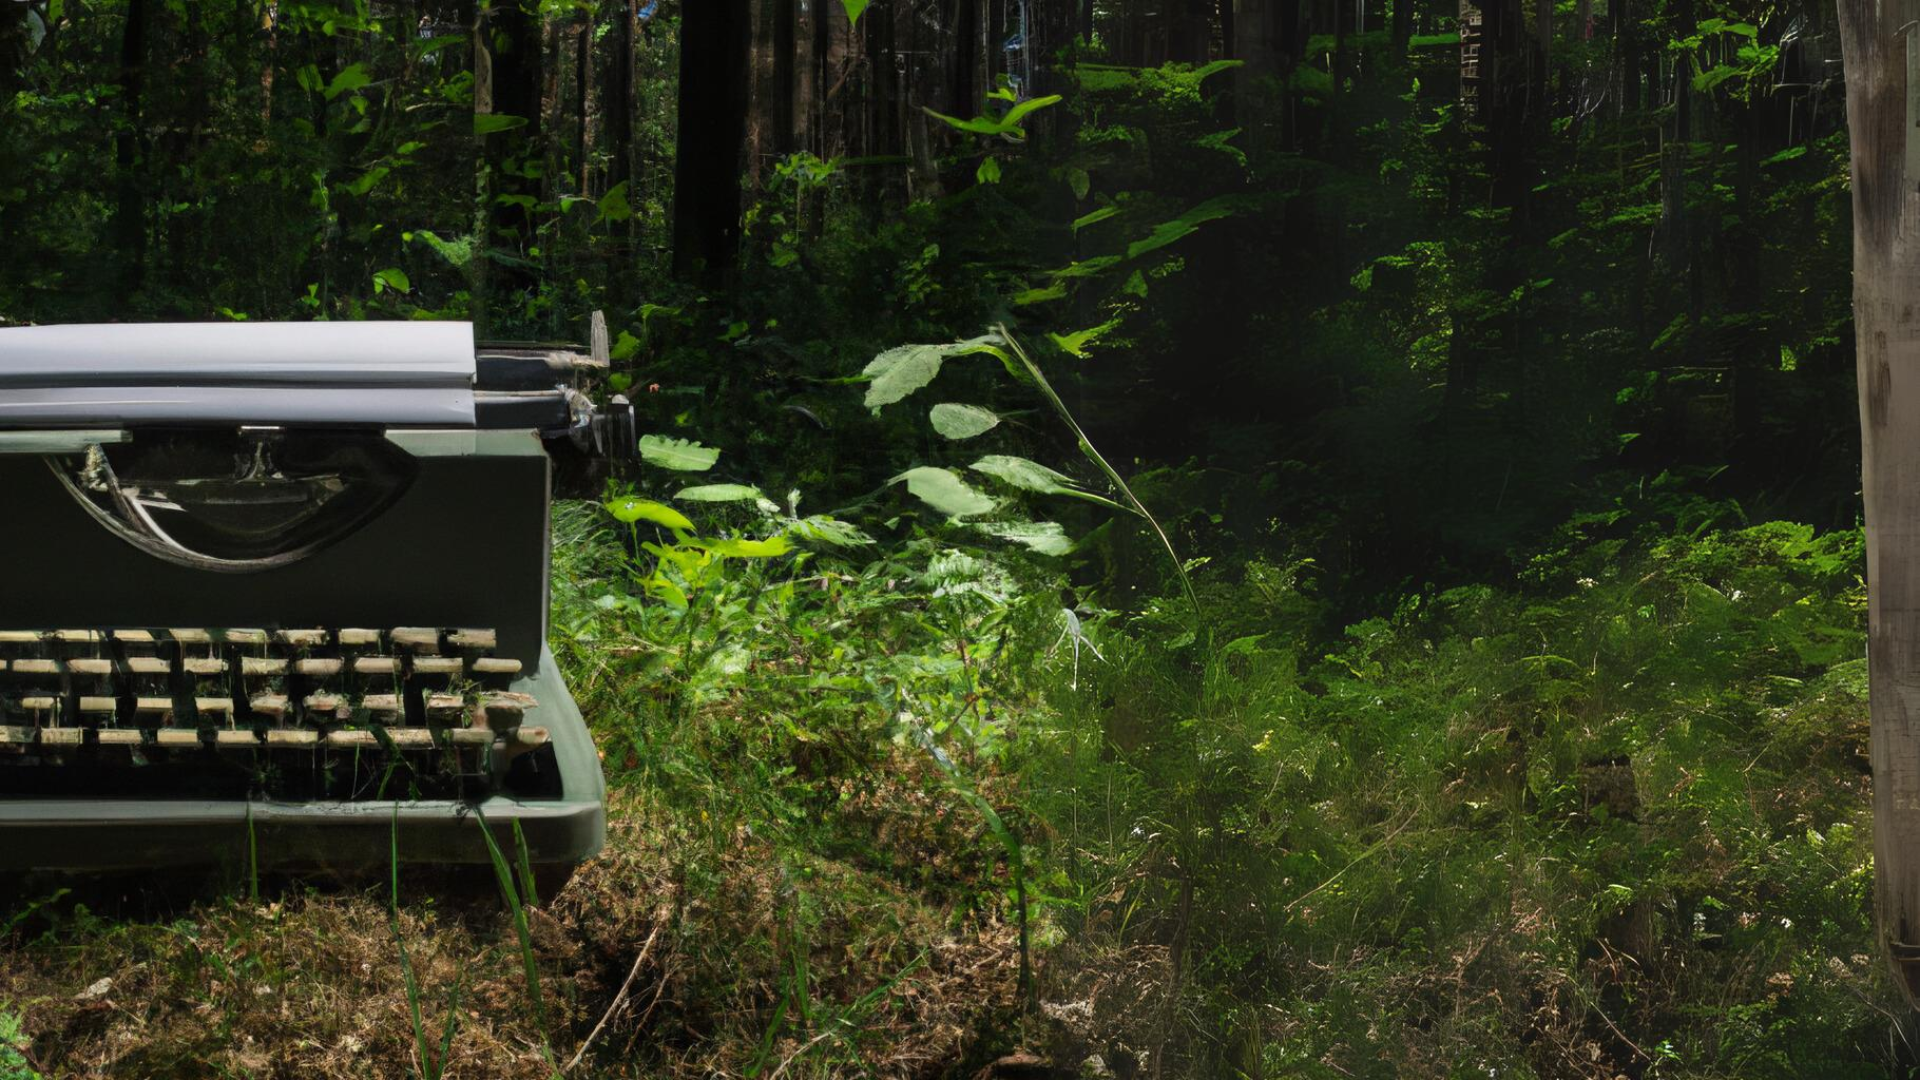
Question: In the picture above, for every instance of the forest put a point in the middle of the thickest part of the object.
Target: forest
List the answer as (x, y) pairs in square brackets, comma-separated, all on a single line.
[(1206, 538)]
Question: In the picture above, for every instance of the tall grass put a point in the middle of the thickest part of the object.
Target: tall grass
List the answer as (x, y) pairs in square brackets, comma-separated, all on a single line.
[(428, 1066)]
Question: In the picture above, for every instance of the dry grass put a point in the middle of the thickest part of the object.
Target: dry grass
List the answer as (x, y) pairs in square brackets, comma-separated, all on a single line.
[(308, 984)]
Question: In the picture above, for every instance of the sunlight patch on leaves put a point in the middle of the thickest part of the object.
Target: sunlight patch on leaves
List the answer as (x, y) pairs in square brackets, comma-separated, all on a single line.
[(1185, 225), (901, 370), (1040, 537), (681, 455), (630, 510), (720, 493), (956, 421), (943, 490)]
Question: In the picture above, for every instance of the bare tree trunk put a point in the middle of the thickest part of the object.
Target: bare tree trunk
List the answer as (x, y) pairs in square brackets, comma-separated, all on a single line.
[(128, 226), (583, 101), (715, 39), (507, 83), (1886, 279)]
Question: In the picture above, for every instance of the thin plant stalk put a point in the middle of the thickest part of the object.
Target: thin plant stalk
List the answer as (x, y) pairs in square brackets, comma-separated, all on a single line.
[(511, 893), (1094, 455)]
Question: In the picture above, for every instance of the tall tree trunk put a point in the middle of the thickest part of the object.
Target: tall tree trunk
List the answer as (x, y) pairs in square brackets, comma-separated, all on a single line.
[(1886, 279), (128, 226), (509, 52), (617, 108), (715, 38), (582, 102)]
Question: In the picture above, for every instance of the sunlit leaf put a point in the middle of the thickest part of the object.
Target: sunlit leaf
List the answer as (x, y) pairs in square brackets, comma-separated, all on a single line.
[(962, 421), (943, 490), (613, 205), (746, 549), (391, 278), (351, 78), (853, 9), (1076, 343), (719, 493), (900, 371), (1033, 476), (989, 170), (828, 530), (492, 123), (1042, 537), (1093, 216), (630, 510), (1186, 224), (682, 455)]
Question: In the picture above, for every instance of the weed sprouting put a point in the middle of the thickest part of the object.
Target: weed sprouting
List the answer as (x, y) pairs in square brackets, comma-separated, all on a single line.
[(517, 897), (427, 1066)]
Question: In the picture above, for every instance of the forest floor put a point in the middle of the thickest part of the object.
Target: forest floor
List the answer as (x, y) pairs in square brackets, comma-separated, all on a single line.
[(1611, 821), (306, 980)]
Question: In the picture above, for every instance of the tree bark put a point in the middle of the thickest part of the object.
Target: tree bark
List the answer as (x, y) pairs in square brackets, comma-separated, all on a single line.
[(715, 39), (128, 226), (1886, 281), (509, 53)]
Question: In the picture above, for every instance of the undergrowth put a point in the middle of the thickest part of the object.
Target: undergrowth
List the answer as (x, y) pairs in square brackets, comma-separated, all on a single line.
[(1606, 818)]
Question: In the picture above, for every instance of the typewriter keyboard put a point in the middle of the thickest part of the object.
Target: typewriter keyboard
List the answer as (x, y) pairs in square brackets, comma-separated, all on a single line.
[(289, 713)]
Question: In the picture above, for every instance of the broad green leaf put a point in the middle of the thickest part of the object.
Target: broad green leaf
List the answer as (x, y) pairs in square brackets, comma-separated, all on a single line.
[(1087, 268), (1168, 231), (901, 370), (682, 455), (1025, 297), (746, 549), (1713, 77), (989, 170), (853, 9), (614, 205), (943, 490), (1007, 125), (391, 278), (1033, 476), (1024, 474), (1080, 182), (1093, 216), (1076, 343), (962, 421), (979, 125), (625, 347), (1044, 537), (367, 180), (1206, 71), (492, 123), (628, 511), (351, 78), (1028, 107), (719, 493), (457, 252), (828, 530)]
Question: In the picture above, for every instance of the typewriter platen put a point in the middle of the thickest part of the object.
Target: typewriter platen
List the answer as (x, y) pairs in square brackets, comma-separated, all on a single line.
[(270, 592)]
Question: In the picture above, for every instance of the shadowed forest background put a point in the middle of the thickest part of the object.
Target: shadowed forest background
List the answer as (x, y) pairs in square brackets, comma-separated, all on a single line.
[(1244, 538)]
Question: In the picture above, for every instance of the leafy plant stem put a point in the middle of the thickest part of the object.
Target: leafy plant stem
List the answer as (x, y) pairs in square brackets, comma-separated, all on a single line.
[(1093, 454)]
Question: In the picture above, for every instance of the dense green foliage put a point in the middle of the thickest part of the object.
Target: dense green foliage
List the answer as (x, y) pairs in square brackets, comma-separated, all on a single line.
[(1246, 569)]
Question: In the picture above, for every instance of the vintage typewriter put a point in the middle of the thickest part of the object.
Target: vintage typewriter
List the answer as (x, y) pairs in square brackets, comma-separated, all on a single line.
[(275, 595)]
